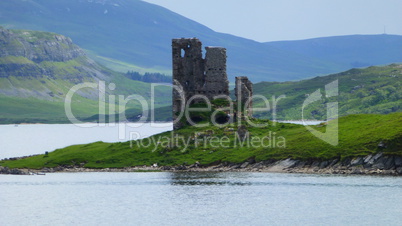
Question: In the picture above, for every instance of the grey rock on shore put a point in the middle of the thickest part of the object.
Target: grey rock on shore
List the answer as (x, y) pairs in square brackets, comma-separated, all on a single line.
[(6, 170), (377, 164)]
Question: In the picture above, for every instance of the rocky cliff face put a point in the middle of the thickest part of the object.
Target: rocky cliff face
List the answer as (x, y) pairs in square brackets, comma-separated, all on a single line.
[(38, 70), (44, 65), (38, 46)]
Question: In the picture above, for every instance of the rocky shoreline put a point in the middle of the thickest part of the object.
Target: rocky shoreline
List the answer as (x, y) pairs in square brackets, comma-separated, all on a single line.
[(378, 164)]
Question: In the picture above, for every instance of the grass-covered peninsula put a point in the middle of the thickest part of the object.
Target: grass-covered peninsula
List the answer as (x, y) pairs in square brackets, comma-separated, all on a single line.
[(359, 135)]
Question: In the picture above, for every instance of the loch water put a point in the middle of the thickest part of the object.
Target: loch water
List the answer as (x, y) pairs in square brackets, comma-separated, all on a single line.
[(32, 139), (201, 198)]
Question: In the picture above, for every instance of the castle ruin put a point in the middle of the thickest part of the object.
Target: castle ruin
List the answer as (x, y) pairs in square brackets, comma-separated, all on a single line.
[(244, 94), (194, 76)]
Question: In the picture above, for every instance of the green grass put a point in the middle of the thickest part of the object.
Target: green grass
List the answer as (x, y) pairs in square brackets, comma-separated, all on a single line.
[(123, 67), (32, 110), (359, 135), (14, 60), (34, 36), (370, 90)]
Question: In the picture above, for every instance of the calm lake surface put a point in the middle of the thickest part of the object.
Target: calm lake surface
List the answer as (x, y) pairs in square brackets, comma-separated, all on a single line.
[(33, 139), (199, 199)]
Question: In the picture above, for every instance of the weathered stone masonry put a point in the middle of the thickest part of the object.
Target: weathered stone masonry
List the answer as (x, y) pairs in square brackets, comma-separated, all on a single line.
[(198, 76), (244, 94), (195, 75)]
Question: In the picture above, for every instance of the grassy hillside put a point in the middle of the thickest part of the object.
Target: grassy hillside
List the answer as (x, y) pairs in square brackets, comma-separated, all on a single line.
[(359, 135), (134, 34), (39, 69), (31, 110), (20, 105), (361, 91)]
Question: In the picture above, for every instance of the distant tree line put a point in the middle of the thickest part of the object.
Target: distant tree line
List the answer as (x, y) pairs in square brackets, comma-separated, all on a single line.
[(149, 77)]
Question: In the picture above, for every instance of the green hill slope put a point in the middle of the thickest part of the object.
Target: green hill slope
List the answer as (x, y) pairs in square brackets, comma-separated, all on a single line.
[(38, 70), (133, 35), (361, 91)]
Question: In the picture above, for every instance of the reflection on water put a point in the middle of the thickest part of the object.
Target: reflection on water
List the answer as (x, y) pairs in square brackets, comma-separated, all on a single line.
[(206, 179), (261, 179), (199, 199)]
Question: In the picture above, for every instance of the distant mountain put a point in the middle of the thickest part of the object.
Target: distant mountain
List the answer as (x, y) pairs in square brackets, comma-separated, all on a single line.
[(349, 51), (360, 91), (38, 69), (132, 34), (42, 58)]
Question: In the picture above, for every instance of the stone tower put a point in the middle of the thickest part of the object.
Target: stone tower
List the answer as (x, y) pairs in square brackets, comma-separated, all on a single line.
[(195, 75), (244, 94), (216, 79)]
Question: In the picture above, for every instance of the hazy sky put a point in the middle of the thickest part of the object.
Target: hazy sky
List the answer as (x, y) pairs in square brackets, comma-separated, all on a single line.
[(272, 20)]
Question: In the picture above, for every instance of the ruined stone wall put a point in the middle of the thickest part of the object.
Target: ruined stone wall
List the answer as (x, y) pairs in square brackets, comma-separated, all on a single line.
[(216, 79), (195, 75), (244, 93), (188, 65)]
